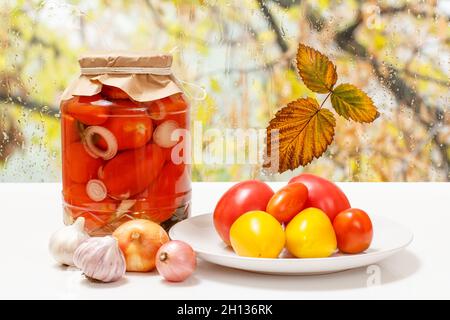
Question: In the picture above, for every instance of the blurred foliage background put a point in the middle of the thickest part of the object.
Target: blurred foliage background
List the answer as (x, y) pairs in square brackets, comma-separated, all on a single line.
[(241, 51)]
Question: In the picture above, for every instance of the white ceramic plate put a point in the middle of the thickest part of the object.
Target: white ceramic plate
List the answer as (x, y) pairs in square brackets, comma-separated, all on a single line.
[(389, 238)]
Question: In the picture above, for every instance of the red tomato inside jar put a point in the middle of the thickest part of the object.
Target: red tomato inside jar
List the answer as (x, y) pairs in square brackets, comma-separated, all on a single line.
[(125, 124)]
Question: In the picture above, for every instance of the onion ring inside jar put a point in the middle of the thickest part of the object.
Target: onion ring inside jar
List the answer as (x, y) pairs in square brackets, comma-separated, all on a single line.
[(96, 190), (108, 136), (161, 113)]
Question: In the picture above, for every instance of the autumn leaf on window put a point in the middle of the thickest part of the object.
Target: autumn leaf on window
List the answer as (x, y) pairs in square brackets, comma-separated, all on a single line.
[(317, 71), (304, 131), (352, 103)]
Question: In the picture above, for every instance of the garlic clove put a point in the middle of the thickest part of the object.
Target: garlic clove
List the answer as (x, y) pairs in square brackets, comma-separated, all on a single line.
[(65, 241), (100, 258)]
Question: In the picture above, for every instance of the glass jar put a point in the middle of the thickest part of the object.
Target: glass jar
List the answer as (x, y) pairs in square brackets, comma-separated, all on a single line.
[(123, 159)]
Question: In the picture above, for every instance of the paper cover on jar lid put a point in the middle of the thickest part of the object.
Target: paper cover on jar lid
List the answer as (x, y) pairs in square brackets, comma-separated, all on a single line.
[(143, 77)]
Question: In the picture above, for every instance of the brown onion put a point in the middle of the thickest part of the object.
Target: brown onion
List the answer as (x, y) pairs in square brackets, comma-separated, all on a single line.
[(139, 241)]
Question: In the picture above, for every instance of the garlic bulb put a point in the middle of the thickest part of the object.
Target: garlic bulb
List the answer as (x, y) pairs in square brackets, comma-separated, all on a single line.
[(100, 259), (65, 241)]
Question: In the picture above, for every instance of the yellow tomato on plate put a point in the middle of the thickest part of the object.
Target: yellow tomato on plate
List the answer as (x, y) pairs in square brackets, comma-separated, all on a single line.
[(310, 234), (257, 234)]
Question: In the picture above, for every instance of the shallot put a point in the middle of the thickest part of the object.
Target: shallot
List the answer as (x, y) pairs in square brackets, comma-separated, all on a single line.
[(175, 261)]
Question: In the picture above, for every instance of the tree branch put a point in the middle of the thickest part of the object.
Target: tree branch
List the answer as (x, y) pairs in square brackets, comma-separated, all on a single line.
[(259, 68), (411, 10), (28, 104), (423, 77), (287, 3), (181, 34), (282, 44), (155, 14), (403, 93)]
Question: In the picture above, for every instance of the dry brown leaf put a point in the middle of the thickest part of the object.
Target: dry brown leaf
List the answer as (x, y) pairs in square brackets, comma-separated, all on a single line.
[(353, 103), (317, 71), (298, 133)]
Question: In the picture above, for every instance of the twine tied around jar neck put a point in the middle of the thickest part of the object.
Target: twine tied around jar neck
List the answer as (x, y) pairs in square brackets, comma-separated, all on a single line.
[(127, 70), (164, 71)]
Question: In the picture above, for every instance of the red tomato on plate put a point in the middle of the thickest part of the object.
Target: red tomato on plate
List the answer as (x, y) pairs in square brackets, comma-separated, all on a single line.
[(354, 230), (287, 202), (323, 194), (243, 197)]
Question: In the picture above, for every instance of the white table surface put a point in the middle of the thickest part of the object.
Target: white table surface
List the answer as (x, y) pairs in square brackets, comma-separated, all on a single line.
[(31, 212)]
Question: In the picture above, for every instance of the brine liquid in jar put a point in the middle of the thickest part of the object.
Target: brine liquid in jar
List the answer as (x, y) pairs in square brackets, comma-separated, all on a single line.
[(124, 159)]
